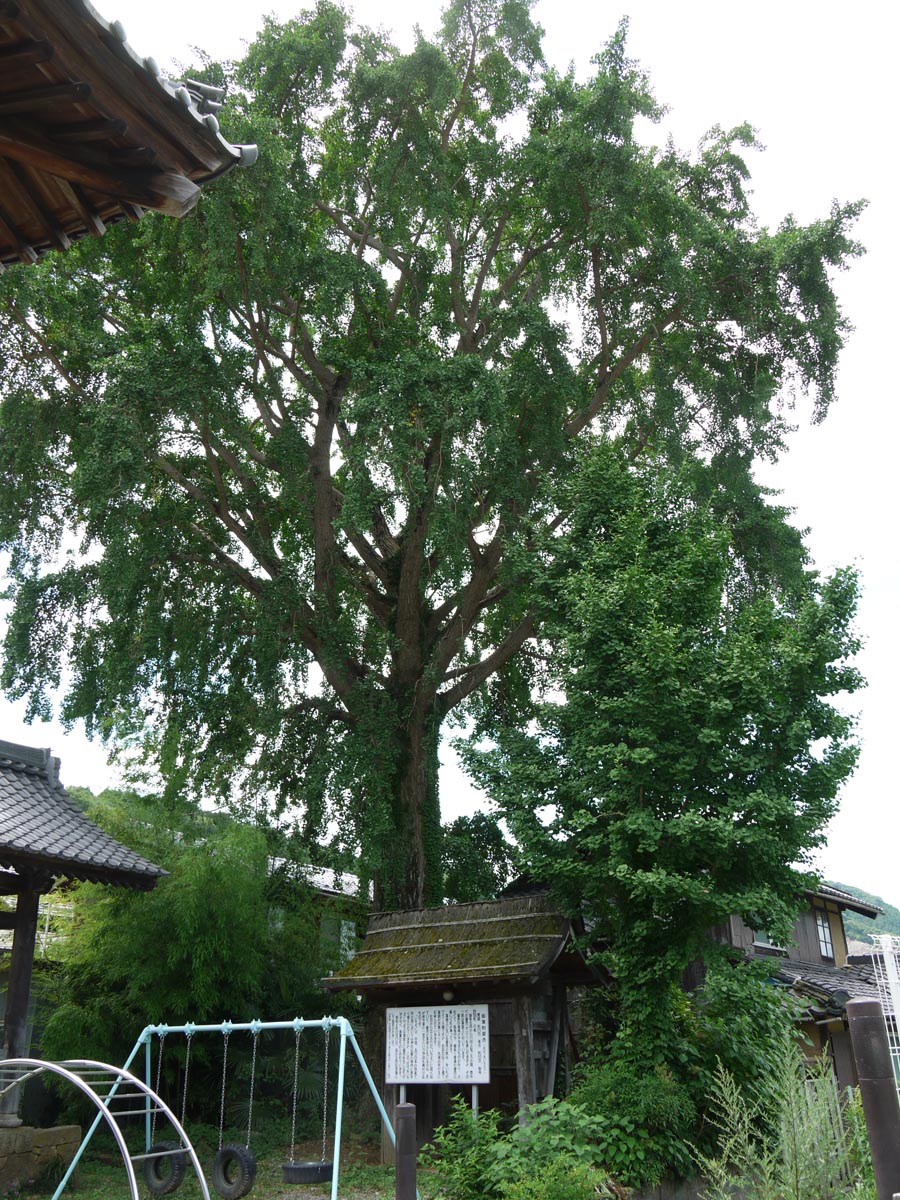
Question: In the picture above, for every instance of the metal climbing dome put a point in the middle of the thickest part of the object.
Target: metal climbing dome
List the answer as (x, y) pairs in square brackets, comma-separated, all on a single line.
[(116, 1093)]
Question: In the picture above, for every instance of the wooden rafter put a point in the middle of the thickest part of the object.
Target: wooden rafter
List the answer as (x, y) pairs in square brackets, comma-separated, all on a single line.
[(90, 133)]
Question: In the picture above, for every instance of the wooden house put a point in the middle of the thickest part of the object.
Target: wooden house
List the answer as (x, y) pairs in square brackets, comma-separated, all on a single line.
[(519, 955), (813, 965)]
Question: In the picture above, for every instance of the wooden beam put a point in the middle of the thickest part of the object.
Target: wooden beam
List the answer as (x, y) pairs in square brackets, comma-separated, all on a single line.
[(7, 919), (523, 1040), (25, 251), (9, 10), (15, 1025), (33, 203), (164, 191), (82, 207), (97, 130), (133, 156), (23, 54), (549, 1081), (44, 97)]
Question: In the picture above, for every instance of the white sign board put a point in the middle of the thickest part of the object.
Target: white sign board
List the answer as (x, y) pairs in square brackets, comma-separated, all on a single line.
[(448, 1044)]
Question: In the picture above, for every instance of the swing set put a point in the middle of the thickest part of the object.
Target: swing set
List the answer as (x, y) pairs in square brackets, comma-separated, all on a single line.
[(164, 1162)]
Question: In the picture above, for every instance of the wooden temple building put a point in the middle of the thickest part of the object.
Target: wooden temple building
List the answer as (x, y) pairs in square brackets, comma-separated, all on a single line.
[(519, 955), (92, 134), (45, 837)]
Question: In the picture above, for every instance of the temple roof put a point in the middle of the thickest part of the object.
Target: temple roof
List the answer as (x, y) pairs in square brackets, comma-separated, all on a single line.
[(44, 834), (90, 133)]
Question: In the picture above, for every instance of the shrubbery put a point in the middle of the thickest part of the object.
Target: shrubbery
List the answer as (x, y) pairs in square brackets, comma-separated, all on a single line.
[(795, 1141), (552, 1157), (648, 1119)]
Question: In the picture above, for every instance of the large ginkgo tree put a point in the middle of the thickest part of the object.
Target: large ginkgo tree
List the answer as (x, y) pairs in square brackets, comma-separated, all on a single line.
[(274, 475)]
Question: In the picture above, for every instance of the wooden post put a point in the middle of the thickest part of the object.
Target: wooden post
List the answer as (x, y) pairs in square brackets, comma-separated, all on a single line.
[(405, 1158), (878, 1092), (389, 1098), (523, 1039), (556, 1030), (15, 1026)]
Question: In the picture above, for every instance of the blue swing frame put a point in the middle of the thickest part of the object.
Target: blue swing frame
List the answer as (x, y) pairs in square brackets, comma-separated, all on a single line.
[(298, 1025)]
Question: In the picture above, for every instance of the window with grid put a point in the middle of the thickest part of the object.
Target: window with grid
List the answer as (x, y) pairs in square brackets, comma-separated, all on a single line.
[(825, 944)]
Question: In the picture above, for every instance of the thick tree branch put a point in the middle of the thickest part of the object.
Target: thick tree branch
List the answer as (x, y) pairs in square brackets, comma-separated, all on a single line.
[(481, 671), (579, 420)]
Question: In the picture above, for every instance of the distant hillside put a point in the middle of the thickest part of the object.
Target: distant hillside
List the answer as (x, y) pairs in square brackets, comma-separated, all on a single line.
[(861, 927)]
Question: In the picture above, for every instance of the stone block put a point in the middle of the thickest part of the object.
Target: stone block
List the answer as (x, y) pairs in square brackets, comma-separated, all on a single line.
[(26, 1152), (59, 1135), (24, 1139)]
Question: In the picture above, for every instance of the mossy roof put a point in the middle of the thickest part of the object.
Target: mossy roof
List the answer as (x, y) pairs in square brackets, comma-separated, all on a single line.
[(513, 940)]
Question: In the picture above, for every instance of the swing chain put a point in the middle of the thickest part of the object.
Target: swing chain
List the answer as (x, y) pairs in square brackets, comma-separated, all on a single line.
[(159, 1058), (222, 1098), (187, 1068), (252, 1078), (327, 1033), (294, 1092)]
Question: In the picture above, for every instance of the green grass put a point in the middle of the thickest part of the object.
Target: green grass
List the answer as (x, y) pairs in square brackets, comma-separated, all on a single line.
[(105, 1179)]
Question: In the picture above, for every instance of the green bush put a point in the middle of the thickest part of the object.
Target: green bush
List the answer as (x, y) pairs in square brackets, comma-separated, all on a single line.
[(461, 1152), (556, 1150), (644, 1119), (560, 1179), (555, 1129)]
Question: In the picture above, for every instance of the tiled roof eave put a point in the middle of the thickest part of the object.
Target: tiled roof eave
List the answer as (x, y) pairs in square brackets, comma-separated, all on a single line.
[(45, 835), (56, 867), (91, 133)]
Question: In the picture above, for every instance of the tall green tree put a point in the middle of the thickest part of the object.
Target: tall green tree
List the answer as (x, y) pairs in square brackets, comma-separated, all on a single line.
[(271, 473), (688, 753), (233, 930)]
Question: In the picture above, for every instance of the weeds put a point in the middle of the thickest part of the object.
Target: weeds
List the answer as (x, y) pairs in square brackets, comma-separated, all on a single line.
[(799, 1143)]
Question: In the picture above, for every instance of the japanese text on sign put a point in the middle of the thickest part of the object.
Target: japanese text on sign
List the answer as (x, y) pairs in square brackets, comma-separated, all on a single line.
[(438, 1045)]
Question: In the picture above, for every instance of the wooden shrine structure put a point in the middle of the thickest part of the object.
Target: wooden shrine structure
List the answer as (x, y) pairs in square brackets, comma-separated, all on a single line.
[(45, 837), (92, 134), (519, 955)]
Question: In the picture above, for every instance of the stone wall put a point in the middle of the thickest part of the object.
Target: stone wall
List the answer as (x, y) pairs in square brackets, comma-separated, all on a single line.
[(25, 1153)]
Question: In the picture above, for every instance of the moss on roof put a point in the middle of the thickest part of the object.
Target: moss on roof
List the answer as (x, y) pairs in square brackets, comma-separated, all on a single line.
[(516, 938)]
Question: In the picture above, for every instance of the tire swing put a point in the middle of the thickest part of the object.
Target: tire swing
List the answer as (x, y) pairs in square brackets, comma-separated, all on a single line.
[(311, 1170), (234, 1167), (166, 1162)]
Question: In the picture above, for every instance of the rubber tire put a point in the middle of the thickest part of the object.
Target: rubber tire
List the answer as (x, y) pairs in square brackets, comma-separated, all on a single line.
[(165, 1175), (234, 1171), (314, 1171)]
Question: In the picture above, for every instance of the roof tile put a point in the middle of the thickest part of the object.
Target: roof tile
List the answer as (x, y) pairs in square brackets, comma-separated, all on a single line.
[(42, 829)]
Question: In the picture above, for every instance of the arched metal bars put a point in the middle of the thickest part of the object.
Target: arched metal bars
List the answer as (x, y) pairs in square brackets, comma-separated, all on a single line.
[(87, 1075)]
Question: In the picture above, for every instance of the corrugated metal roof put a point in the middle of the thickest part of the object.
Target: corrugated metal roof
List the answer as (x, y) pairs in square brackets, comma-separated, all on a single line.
[(42, 830), (513, 940)]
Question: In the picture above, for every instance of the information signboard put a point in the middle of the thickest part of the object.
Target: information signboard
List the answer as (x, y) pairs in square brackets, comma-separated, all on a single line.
[(446, 1044)]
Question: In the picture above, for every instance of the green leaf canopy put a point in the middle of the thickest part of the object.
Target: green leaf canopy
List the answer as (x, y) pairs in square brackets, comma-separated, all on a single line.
[(269, 473)]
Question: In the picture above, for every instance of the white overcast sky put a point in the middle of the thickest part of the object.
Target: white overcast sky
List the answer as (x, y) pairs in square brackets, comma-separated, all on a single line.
[(816, 80)]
